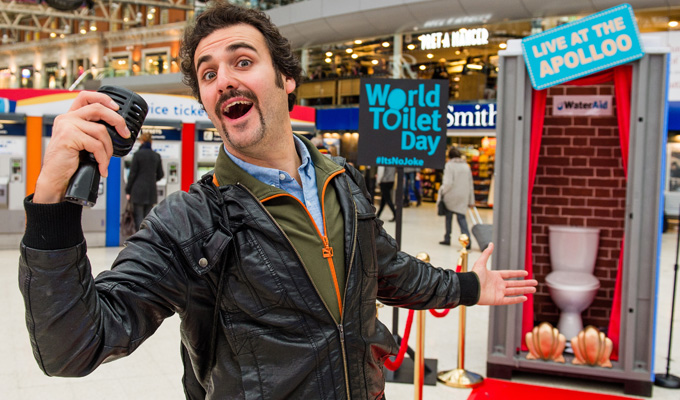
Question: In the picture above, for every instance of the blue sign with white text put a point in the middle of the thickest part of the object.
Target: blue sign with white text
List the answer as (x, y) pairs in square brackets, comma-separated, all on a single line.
[(591, 44), (402, 122)]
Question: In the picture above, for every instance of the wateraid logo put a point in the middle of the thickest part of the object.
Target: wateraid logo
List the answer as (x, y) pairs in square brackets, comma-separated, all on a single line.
[(409, 111), (582, 105)]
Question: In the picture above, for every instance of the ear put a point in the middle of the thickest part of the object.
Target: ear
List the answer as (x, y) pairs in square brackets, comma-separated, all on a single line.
[(289, 84)]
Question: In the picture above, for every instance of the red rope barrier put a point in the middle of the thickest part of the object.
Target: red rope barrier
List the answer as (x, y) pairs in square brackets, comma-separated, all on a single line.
[(440, 314), (394, 365)]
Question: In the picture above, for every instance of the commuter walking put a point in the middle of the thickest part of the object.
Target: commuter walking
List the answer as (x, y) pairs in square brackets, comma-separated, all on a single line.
[(386, 186), (146, 169), (457, 193)]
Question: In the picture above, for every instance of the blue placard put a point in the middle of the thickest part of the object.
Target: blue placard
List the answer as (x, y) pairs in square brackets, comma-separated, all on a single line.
[(402, 122), (591, 44)]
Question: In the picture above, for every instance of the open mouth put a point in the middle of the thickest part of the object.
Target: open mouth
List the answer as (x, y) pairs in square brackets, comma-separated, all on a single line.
[(237, 109)]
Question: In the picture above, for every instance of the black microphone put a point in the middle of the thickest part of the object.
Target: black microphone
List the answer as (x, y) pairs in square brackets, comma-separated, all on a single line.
[(84, 184)]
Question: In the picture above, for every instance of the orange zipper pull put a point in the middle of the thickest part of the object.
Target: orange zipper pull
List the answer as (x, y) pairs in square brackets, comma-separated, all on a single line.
[(327, 249)]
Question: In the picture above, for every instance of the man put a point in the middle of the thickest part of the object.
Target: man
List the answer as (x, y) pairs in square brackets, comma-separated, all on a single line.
[(146, 169), (274, 265)]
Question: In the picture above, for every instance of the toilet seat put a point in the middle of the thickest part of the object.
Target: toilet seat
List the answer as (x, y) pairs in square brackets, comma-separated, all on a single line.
[(563, 280)]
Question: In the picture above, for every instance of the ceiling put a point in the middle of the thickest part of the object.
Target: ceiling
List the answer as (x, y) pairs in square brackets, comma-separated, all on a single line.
[(36, 16)]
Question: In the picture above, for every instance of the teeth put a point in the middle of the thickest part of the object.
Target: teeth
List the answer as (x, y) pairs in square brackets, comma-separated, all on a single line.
[(226, 109)]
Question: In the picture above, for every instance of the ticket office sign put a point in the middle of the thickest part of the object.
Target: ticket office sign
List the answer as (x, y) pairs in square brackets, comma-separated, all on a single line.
[(402, 122), (591, 44)]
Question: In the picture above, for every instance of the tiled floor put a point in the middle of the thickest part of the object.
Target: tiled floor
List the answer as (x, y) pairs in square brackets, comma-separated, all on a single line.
[(153, 371)]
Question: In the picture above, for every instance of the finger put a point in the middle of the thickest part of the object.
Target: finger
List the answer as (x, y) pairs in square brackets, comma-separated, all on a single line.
[(521, 283), (513, 300), (85, 98), (516, 273), (484, 258), (99, 113), (98, 142), (519, 291)]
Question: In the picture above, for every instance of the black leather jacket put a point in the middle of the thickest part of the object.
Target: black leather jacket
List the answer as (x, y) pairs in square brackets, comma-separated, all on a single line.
[(270, 337)]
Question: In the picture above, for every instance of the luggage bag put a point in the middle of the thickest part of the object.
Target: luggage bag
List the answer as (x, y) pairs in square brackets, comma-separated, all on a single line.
[(482, 232)]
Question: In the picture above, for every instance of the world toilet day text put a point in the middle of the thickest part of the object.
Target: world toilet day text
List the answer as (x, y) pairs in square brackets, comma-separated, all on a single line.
[(413, 112)]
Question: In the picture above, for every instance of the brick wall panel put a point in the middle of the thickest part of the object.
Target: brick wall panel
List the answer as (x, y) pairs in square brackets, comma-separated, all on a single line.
[(594, 198), (581, 90)]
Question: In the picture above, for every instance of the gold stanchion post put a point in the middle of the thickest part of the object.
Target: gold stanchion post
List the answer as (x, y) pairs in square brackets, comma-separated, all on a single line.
[(419, 361), (459, 377)]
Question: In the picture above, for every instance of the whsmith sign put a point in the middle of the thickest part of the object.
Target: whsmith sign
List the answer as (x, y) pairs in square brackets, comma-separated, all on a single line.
[(591, 44), (471, 116), (402, 122)]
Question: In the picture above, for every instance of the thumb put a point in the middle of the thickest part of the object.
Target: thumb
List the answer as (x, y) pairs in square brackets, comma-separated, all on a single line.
[(484, 258)]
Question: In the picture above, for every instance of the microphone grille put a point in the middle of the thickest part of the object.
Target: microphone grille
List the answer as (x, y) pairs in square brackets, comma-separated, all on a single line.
[(133, 109)]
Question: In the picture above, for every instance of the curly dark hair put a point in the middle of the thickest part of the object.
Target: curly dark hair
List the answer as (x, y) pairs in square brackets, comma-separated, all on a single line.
[(220, 15)]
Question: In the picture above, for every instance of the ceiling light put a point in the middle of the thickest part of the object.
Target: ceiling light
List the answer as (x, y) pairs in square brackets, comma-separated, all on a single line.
[(93, 26), (430, 55), (328, 60), (385, 44), (411, 46), (422, 68), (329, 54), (349, 51), (82, 27), (474, 66), (53, 35), (374, 62), (355, 56), (358, 41), (672, 24), (503, 45)]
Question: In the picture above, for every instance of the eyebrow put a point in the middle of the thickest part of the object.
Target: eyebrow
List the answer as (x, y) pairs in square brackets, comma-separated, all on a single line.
[(230, 49)]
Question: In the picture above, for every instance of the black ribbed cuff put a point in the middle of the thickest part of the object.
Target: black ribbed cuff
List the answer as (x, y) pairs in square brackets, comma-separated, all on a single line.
[(469, 288), (52, 226)]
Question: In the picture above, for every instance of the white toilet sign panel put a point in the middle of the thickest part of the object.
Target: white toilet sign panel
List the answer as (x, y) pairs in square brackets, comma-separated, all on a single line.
[(586, 105)]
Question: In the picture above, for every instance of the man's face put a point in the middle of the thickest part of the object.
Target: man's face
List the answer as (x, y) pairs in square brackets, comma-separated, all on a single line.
[(241, 92)]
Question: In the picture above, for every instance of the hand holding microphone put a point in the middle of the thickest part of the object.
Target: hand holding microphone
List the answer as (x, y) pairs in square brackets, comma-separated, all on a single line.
[(97, 126), (84, 184)]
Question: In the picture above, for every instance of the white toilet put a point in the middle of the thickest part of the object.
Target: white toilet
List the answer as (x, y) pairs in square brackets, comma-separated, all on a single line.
[(572, 285)]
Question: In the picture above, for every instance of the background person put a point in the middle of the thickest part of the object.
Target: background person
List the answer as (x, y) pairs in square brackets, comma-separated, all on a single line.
[(457, 193), (386, 186), (146, 169), (273, 264)]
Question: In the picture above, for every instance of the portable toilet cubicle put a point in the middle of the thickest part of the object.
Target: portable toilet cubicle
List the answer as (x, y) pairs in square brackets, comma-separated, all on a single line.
[(626, 201)]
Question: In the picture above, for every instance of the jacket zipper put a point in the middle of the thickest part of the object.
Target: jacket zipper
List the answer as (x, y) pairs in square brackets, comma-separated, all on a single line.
[(327, 249), (342, 315)]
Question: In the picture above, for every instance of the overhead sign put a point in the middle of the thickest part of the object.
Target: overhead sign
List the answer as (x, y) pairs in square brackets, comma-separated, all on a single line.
[(591, 44), (402, 122), (460, 38), (591, 106), (471, 116)]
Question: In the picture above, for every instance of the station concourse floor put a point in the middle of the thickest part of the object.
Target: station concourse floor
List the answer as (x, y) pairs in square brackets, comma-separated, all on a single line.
[(154, 370)]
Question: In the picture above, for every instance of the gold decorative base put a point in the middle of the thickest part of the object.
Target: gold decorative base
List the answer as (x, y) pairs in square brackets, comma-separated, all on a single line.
[(460, 378), (592, 347), (545, 343)]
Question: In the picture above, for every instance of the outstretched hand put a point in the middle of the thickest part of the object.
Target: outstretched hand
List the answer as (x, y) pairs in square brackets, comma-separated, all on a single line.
[(498, 288)]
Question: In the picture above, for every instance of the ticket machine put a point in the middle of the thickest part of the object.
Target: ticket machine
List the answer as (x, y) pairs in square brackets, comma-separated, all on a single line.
[(12, 178), (208, 144), (166, 141), (94, 218)]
